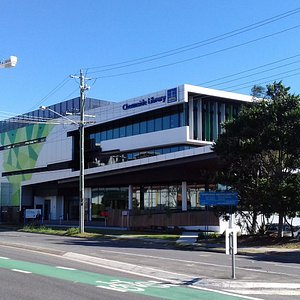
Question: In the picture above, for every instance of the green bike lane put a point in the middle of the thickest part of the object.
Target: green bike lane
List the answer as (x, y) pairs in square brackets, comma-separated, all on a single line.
[(157, 289)]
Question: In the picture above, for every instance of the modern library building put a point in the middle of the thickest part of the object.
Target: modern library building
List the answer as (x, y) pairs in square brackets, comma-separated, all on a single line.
[(146, 159)]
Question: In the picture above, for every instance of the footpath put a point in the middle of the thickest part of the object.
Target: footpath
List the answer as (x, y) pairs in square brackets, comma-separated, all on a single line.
[(189, 240)]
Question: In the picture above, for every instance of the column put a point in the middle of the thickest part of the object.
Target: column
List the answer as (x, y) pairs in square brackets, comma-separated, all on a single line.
[(130, 196), (184, 196), (88, 203), (142, 198), (191, 117)]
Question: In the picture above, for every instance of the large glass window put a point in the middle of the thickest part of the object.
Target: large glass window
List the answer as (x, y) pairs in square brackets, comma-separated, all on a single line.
[(158, 124), (122, 131), (109, 134), (166, 122), (116, 133), (174, 121), (150, 125), (103, 135), (136, 129), (143, 127), (173, 117), (129, 130)]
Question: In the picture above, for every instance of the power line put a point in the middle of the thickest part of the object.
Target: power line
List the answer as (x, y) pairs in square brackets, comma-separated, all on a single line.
[(199, 56), (257, 81), (52, 92), (249, 70), (265, 82), (253, 74), (193, 45)]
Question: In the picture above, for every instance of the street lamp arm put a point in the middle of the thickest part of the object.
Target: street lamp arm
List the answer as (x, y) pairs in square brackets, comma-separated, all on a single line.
[(58, 114)]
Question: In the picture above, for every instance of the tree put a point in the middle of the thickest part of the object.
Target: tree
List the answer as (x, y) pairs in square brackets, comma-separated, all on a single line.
[(260, 153)]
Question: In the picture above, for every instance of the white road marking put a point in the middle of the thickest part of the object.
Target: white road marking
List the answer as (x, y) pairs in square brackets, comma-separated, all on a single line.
[(21, 271), (173, 278), (65, 268), (198, 263), (230, 293), (2, 257)]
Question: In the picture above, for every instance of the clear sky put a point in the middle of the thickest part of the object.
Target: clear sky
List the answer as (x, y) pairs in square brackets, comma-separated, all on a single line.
[(159, 43)]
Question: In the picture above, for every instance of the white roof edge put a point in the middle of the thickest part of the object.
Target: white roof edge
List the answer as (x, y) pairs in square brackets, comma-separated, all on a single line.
[(217, 93)]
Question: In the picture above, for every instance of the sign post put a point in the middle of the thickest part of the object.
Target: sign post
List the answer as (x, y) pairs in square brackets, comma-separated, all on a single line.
[(224, 199)]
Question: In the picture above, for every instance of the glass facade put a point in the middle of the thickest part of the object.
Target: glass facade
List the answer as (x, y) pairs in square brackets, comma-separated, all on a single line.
[(163, 119), (214, 112), (108, 198), (167, 197), (144, 198), (69, 106)]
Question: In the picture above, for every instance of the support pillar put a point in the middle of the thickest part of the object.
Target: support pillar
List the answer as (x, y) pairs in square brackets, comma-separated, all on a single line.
[(130, 197), (142, 198), (184, 196)]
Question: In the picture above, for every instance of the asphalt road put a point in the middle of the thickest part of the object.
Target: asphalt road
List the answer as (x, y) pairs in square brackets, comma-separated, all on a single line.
[(264, 277)]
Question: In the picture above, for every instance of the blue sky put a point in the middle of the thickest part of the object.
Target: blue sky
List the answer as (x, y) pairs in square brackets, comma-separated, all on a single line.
[(55, 38)]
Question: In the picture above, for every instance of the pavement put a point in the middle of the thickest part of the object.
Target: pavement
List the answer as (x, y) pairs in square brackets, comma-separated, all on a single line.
[(189, 240)]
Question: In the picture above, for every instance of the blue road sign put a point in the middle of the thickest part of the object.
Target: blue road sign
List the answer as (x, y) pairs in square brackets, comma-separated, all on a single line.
[(218, 198)]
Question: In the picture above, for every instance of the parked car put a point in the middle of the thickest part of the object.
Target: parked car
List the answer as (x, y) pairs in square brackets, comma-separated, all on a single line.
[(272, 229)]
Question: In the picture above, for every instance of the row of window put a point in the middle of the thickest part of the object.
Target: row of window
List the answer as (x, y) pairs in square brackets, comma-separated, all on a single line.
[(211, 118), (154, 197), (70, 106), (98, 159), (138, 127)]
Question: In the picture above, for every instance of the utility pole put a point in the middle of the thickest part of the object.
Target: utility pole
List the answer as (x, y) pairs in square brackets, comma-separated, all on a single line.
[(83, 88)]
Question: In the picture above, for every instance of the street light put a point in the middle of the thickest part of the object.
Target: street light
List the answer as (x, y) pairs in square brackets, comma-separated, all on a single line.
[(9, 63), (81, 123)]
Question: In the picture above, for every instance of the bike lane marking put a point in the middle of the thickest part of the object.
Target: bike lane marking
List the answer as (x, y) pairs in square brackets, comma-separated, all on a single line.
[(158, 289)]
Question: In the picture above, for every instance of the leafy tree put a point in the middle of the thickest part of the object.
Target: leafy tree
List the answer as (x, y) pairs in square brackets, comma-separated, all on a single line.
[(260, 153)]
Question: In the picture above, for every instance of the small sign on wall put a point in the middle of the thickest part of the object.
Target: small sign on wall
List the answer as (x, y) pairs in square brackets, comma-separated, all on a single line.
[(32, 213)]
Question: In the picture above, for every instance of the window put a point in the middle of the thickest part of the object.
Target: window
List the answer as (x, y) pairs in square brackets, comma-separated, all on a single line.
[(166, 122), (116, 133), (122, 131), (136, 128), (103, 135), (143, 127), (109, 134), (129, 130), (150, 125), (158, 124), (174, 120)]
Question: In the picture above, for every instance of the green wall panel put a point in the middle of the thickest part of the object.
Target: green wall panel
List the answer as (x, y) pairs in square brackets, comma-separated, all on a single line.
[(22, 157)]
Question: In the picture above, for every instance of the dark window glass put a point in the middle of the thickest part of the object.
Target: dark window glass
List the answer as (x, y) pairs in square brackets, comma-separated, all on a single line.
[(150, 125), (129, 130), (63, 107), (158, 124), (136, 128), (166, 150), (130, 156), (103, 135), (122, 131), (116, 133), (174, 120), (166, 122), (57, 108), (109, 134), (143, 127), (97, 138), (158, 151)]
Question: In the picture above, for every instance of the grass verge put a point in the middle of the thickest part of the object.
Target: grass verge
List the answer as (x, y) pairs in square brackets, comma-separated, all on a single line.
[(97, 233)]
